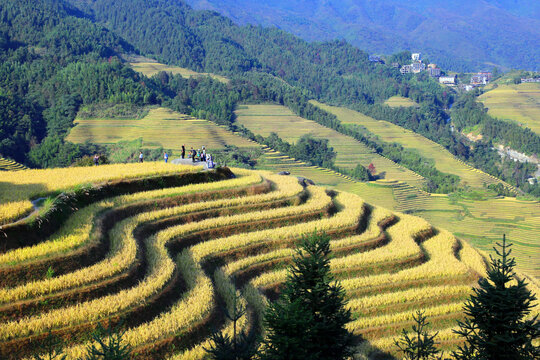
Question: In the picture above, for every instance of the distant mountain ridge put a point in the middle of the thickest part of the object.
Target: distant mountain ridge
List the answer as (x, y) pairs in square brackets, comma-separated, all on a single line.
[(458, 34)]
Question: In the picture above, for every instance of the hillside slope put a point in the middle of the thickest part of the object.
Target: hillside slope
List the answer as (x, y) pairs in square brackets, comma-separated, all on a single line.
[(458, 34), (519, 103), (265, 60), (443, 160)]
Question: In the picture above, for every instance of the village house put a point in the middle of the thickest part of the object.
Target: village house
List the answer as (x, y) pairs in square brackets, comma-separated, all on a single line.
[(434, 72), (416, 56), (417, 67), (478, 80), (406, 69), (530, 80), (448, 80), (481, 78), (486, 74)]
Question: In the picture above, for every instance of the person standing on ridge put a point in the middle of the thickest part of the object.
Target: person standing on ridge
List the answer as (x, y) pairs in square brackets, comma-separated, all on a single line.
[(183, 151), (96, 159), (141, 156), (166, 157)]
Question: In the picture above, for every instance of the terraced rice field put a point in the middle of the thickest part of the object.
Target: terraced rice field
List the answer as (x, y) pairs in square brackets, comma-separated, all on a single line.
[(152, 68), (484, 222), (264, 119), (481, 222), (166, 260), (18, 188), (444, 161), (400, 101), (161, 127), (10, 165), (371, 192), (520, 103)]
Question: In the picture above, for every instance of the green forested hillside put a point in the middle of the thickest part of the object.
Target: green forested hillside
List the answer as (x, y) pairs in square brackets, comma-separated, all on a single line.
[(53, 60), (459, 34), (333, 72), (57, 57)]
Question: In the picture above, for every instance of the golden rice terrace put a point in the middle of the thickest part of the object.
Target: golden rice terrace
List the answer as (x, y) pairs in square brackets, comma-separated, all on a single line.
[(160, 250)]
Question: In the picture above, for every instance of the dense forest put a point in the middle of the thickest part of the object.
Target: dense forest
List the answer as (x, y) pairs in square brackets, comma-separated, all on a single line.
[(59, 56)]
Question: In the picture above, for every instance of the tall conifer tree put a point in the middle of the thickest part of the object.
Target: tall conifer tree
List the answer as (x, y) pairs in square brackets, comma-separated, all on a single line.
[(498, 323), (308, 320)]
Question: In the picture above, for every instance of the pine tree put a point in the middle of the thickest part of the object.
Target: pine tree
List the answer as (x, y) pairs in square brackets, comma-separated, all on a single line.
[(110, 345), (51, 349), (308, 320), (421, 346), (239, 346), (498, 323)]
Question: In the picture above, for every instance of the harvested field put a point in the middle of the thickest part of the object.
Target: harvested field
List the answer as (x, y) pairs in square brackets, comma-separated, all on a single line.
[(400, 101), (152, 68)]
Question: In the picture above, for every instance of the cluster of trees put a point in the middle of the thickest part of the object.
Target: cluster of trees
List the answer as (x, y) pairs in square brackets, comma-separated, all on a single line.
[(330, 71), (498, 323), (307, 148), (53, 60), (237, 157), (467, 113)]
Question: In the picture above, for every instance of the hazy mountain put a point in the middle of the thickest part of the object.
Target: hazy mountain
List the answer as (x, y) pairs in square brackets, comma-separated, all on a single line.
[(457, 34)]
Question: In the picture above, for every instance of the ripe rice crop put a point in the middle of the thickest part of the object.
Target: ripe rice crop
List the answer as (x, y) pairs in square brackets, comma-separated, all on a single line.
[(161, 127), (10, 165), (196, 303), (77, 230), (352, 210), (520, 103), (123, 244), (444, 161), (160, 270), (397, 101), (17, 188), (152, 68), (402, 245), (194, 257), (264, 119)]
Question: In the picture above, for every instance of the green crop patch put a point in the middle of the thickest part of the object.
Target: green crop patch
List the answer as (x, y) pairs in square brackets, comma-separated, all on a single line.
[(519, 103), (265, 119), (161, 127), (444, 160)]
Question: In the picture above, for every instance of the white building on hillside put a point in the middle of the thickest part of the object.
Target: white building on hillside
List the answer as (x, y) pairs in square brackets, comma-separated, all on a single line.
[(448, 80), (406, 69), (416, 56), (417, 67)]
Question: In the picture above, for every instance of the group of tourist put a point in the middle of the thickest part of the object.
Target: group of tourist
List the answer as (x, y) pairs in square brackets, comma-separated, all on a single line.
[(195, 155), (198, 155)]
